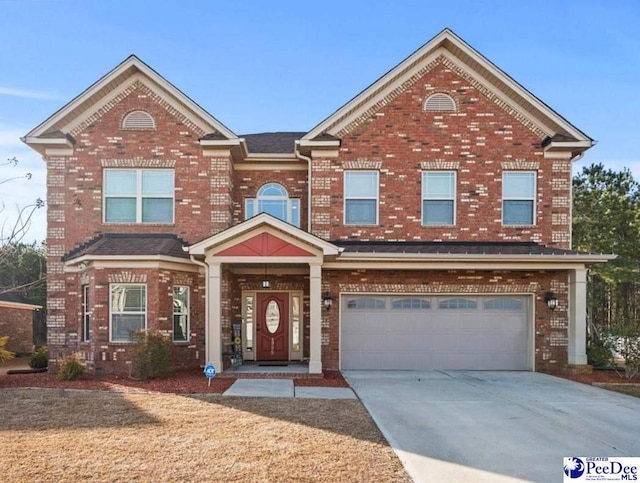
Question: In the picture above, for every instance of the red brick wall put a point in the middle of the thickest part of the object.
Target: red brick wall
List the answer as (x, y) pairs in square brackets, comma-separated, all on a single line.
[(107, 357), (550, 326), (481, 139), (18, 325)]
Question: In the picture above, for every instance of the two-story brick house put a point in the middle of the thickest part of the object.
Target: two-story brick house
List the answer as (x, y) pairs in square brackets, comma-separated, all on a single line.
[(424, 224)]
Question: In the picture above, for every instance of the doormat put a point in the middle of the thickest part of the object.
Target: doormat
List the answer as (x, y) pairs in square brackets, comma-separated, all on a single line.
[(273, 364)]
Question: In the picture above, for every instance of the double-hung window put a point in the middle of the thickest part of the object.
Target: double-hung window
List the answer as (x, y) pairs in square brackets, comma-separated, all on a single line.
[(180, 313), (438, 197), (518, 198), (128, 310), (138, 195), (274, 199), (361, 197)]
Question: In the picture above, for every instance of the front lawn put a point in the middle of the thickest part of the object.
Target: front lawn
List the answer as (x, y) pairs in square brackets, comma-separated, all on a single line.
[(66, 435)]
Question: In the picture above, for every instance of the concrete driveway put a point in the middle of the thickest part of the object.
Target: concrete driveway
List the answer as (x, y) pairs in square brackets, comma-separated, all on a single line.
[(495, 426)]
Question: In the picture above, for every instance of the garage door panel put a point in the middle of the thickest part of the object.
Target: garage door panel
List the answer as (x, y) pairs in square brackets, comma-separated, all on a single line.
[(436, 338)]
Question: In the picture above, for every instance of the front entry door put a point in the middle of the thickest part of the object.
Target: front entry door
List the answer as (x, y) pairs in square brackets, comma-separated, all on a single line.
[(272, 327)]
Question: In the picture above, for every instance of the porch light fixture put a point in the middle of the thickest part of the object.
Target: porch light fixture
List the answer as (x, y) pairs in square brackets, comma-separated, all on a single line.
[(265, 281), (327, 300), (552, 300)]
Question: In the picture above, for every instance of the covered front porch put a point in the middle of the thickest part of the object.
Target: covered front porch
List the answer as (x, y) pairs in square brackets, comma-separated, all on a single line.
[(263, 296)]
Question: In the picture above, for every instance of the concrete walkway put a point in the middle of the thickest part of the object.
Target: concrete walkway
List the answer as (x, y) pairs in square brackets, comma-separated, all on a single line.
[(285, 388)]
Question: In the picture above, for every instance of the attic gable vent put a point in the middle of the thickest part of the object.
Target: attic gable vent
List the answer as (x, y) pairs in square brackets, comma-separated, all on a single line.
[(440, 102), (138, 120)]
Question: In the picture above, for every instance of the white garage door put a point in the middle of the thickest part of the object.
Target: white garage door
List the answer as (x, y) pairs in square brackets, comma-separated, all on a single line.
[(427, 333)]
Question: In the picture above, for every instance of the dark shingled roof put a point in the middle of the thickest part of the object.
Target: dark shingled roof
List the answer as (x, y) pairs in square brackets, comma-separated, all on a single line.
[(131, 244), (325, 137), (272, 142), (558, 138), (454, 248)]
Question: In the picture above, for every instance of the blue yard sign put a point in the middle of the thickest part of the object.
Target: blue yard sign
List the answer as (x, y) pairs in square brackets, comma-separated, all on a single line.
[(209, 372)]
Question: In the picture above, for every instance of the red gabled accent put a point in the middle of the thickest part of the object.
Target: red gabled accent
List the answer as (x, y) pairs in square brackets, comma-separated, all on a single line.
[(264, 245)]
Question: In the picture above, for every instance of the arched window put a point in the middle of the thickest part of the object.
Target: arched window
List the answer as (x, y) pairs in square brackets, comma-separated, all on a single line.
[(274, 199), (138, 120), (440, 102)]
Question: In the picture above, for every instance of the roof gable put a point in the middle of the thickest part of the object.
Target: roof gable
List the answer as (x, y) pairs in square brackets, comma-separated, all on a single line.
[(108, 88), (449, 48)]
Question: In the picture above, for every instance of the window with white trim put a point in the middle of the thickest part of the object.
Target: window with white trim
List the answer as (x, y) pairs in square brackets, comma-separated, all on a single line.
[(274, 199), (438, 197), (518, 198), (138, 195), (86, 314), (361, 197), (180, 313), (127, 310)]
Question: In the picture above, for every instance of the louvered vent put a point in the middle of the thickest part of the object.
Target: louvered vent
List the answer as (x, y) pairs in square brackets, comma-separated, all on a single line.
[(440, 102), (138, 120)]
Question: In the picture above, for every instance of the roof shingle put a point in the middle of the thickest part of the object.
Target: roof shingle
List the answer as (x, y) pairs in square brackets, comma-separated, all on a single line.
[(131, 244)]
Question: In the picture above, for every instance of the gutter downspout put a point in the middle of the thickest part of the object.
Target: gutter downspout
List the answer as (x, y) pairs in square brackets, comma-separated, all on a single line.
[(308, 160), (206, 305)]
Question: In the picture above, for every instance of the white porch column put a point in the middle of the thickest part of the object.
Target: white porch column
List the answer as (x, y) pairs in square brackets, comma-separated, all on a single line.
[(577, 349), (214, 336), (315, 314)]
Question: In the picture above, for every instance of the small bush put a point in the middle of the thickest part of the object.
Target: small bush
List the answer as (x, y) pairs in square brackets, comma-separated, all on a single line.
[(626, 342), (151, 355), (70, 369), (599, 354), (5, 355), (39, 358)]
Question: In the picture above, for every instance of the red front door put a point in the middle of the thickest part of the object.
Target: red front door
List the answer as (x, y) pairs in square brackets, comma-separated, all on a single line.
[(272, 328)]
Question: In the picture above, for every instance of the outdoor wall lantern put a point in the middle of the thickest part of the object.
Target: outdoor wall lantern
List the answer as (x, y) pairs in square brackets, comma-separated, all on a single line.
[(552, 300), (327, 300), (265, 281)]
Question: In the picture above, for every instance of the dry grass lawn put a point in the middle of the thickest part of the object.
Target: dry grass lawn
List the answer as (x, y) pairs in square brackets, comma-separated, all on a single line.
[(58, 435)]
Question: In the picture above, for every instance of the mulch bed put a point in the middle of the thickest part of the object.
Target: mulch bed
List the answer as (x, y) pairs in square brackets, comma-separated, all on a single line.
[(179, 382), (600, 376)]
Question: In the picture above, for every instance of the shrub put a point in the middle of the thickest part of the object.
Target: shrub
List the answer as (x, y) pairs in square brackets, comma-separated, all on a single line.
[(626, 342), (5, 355), (150, 356), (599, 354), (39, 358), (70, 369)]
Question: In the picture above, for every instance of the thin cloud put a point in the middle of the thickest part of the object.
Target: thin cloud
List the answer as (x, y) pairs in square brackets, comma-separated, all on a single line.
[(25, 93)]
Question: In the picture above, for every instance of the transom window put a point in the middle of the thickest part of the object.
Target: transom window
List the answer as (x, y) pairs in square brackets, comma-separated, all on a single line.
[(138, 195), (438, 197), (503, 304), (518, 197), (128, 310), (180, 313), (274, 199), (361, 197), (410, 304), (366, 303), (458, 303)]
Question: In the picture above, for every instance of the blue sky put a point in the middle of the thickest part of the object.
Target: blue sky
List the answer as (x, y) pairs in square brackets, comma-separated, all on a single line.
[(286, 65)]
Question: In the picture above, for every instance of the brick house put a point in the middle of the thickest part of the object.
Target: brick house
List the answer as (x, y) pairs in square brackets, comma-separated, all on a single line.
[(425, 224), (16, 321)]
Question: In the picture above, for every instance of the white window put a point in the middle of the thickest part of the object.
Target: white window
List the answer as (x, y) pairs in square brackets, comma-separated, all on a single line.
[(274, 200), (127, 310), (361, 197), (86, 314), (438, 198), (518, 198), (180, 313), (138, 195)]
